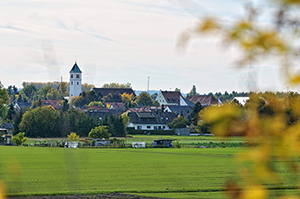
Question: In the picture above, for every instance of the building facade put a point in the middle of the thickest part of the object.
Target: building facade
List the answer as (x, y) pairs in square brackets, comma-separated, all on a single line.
[(75, 81)]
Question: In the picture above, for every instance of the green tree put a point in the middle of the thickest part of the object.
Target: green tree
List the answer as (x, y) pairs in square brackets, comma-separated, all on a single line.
[(125, 119), (179, 122), (3, 101), (11, 111), (195, 113), (19, 139), (112, 98), (37, 103), (42, 93), (115, 125), (17, 121), (29, 93), (85, 98), (192, 92), (95, 103), (145, 99), (53, 94), (65, 106), (76, 121), (40, 122), (117, 85), (63, 90), (100, 132)]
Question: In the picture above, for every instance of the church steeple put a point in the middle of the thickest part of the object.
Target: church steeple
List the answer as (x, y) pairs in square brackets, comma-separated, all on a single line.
[(75, 81), (75, 69)]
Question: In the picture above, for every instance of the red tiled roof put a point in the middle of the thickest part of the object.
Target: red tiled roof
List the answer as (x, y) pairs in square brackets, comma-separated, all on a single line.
[(205, 100), (116, 105), (172, 96)]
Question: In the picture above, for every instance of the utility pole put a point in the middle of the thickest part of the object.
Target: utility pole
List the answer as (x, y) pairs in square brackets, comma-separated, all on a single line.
[(148, 84)]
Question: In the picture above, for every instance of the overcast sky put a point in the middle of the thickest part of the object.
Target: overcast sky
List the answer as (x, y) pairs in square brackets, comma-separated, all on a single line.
[(123, 41)]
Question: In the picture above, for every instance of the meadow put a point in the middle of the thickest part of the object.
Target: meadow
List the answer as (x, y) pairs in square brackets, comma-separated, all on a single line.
[(160, 172), (39, 171)]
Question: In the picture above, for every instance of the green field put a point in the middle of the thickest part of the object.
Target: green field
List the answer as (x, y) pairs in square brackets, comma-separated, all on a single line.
[(35, 170), (167, 172)]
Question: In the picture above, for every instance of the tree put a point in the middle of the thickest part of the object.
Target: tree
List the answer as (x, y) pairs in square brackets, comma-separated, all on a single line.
[(3, 100), (95, 103), (65, 106), (40, 122), (112, 98), (53, 94), (11, 111), (100, 132), (37, 103), (128, 100), (63, 90), (76, 121), (17, 121), (115, 125), (42, 93), (117, 85), (179, 122), (19, 139), (29, 93), (125, 119), (86, 87), (195, 113), (85, 98), (192, 92), (145, 99), (73, 137)]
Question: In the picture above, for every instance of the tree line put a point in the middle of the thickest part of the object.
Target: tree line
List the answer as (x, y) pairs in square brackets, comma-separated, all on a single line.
[(45, 121)]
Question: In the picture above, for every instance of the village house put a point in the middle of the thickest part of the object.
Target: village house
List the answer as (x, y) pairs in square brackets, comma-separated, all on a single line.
[(150, 120), (7, 128), (172, 98)]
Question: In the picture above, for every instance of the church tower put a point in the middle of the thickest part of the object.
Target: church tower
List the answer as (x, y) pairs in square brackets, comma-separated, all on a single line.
[(75, 81)]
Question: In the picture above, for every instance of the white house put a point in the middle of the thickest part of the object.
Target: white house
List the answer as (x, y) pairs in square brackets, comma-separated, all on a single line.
[(150, 120), (171, 98)]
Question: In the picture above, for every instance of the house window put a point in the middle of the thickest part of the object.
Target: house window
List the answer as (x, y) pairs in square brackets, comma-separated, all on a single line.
[(77, 76), (155, 127), (148, 127), (71, 76), (159, 127), (139, 127), (71, 83), (164, 127), (77, 83)]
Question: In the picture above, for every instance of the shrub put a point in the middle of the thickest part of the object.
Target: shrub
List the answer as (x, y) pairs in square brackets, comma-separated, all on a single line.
[(19, 139)]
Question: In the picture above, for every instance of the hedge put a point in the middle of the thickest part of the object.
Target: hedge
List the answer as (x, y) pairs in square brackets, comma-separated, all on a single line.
[(132, 131)]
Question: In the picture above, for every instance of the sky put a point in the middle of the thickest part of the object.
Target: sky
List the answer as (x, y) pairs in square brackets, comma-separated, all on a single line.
[(124, 41)]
